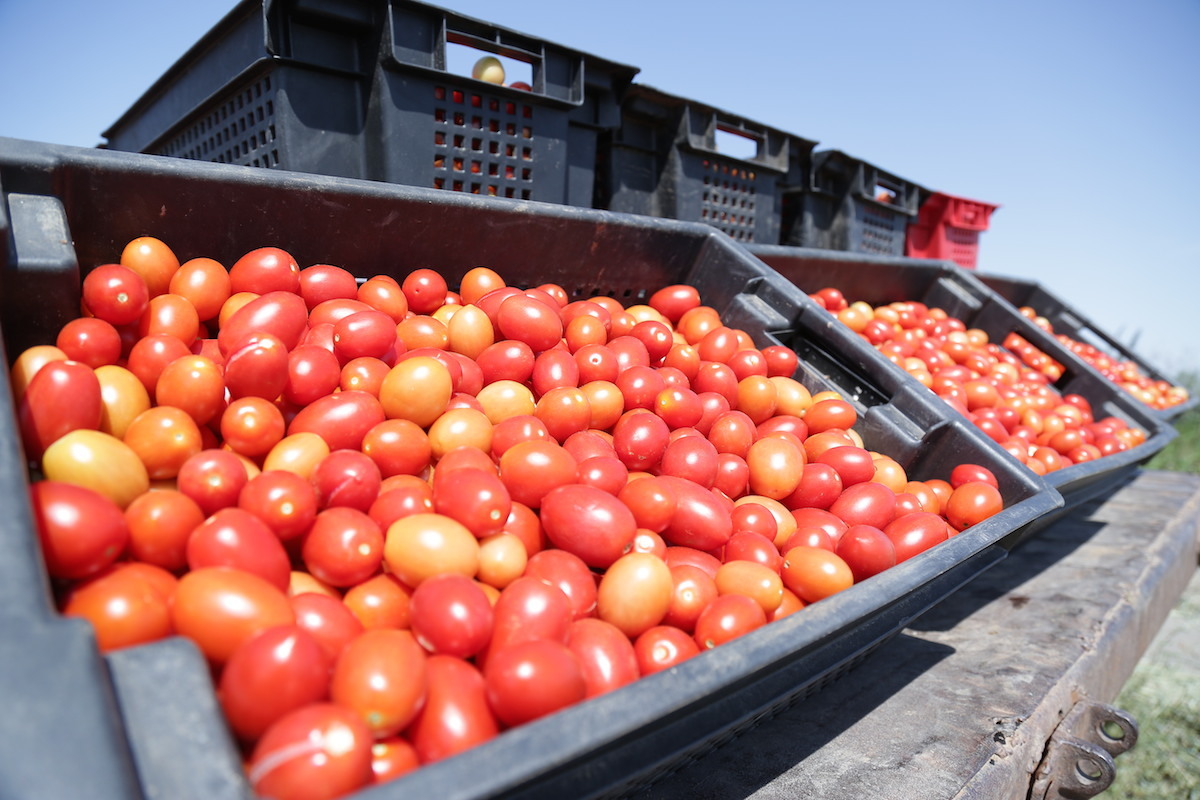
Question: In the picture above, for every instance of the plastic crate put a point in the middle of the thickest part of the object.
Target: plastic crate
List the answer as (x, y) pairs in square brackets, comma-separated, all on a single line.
[(145, 719), (849, 204), (879, 280), (1065, 319), (948, 227), (665, 160), (355, 88)]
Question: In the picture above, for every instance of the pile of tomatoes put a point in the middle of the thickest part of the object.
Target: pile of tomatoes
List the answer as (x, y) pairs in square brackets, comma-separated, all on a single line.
[(1156, 393), (1006, 390), (398, 519)]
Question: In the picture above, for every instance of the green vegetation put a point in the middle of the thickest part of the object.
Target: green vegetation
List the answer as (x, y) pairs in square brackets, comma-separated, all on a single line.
[(1183, 454)]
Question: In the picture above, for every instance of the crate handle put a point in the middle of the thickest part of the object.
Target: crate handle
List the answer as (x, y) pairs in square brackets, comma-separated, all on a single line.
[(416, 37)]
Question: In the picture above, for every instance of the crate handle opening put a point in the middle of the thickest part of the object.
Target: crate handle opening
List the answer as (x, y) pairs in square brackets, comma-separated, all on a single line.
[(464, 57), (737, 144)]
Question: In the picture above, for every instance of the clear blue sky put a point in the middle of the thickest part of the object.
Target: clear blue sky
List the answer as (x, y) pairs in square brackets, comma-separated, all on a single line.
[(1081, 119)]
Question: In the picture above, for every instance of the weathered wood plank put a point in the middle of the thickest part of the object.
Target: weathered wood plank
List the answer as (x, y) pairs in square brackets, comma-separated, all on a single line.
[(961, 704)]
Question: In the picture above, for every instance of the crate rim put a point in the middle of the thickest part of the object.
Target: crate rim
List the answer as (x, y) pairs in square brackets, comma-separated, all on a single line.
[(244, 7)]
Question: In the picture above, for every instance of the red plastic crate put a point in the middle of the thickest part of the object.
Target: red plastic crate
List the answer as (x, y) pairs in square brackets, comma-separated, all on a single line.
[(948, 227)]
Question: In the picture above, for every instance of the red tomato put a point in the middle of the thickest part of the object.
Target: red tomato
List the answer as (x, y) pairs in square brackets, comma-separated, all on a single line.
[(972, 503), (257, 366), (692, 589), (115, 294), (313, 373), (915, 532), (346, 478), (477, 498), (283, 500), (456, 715), (318, 752), (90, 341), (867, 551), (451, 615), (81, 531), (662, 647), (281, 314), (344, 547), (124, 607), (398, 447), (204, 283), (588, 522), (531, 469), (866, 503), (965, 473), (363, 334), (530, 321), (267, 269), (531, 679), (322, 282), (699, 521), (327, 619), (725, 618), (275, 672), (605, 654), (160, 523), (814, 573), (218, 608), (852, 464), (235, 538), (380, 675), (212, 478), (673, 301), (693, 458), (62, 397), (195, 385), (425, 291), (640, 439), (570, 574), (342, 419), (529, 608)]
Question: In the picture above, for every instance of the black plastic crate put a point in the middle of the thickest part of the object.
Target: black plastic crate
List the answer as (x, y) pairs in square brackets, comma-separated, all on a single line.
[(145, 718), (879, 280), (665, 160), (1065, 319), (361, 89), (849, 204)]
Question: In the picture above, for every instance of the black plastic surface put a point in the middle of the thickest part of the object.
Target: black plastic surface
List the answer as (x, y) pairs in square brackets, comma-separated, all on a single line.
[(1065, 319), (838, 207), (665, 161), (879, 280), (356, 88), (177, 746)]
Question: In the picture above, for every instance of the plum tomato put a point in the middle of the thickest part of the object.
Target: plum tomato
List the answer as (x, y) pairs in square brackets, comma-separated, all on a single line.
[(530, 679), (318, 752), (450, 614), (867, 551), (605, 653), (456, 715), (218, 608), (725, 618), (588, 522), (344, 547), (276, 671), (380, 675), (81, 531)]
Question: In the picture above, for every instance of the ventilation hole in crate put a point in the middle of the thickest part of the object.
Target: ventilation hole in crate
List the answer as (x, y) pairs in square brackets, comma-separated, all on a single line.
[(476, 101), (458, 165), (439, 139), (439, 162), (527, 154), (510, 150), (508, 191), (525, 194), (506, 161), (476, 144), (475, 187), (439, 93), (476, 167), (526, 132), (494, 147), (494, 104), (510, 108), (439, 115), (510, 129), (439, 183), (457, 186)]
